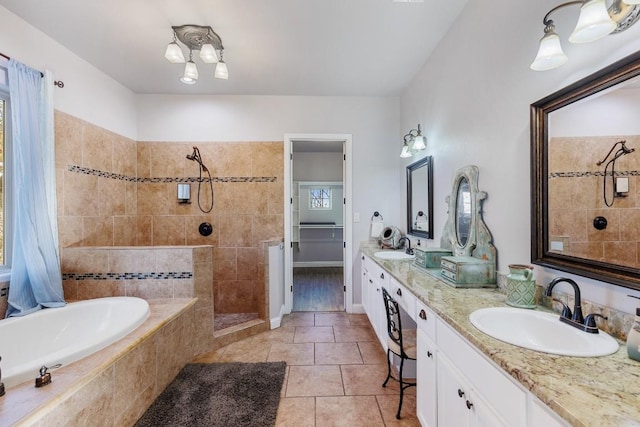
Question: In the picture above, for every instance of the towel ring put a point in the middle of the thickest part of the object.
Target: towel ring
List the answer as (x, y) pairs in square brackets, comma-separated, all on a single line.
[(376, 214)]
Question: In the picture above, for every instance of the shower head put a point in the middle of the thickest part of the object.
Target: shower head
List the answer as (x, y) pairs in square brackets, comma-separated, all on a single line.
[(627, 150), (195, 156)]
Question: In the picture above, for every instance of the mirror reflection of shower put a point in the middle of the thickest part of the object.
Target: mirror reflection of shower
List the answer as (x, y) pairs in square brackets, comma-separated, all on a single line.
[(195, 156), (621, 151)]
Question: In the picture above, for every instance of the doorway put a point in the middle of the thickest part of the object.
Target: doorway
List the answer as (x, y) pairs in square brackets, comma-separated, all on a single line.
[(317, 223)]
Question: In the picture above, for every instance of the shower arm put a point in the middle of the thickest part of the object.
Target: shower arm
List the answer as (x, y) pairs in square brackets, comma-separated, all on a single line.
[(621, 151)]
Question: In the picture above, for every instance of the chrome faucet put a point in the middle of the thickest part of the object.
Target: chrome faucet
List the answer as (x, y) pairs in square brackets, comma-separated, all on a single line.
[(409, 251), (577, 310)]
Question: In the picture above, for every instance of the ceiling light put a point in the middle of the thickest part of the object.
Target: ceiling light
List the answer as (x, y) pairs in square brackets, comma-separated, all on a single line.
[(203, 39), (596, 20)]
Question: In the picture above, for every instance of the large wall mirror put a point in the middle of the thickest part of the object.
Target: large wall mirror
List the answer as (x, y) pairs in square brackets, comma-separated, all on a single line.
[(585, 172), (420, 198)]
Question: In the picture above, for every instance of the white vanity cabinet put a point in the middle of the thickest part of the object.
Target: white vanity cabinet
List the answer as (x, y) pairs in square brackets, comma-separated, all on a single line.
[(426, 367), (377, 278)]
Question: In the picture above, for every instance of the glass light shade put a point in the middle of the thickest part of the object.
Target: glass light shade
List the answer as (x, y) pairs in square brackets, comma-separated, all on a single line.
[(174, 53), (419, 143), (221, 71), (594, 22), (190, 73), (550, 54), (208, 54), (406, 152)]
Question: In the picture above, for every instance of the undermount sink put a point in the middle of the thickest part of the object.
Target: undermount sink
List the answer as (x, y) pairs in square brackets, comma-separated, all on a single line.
[(541, 331), (393, 255)]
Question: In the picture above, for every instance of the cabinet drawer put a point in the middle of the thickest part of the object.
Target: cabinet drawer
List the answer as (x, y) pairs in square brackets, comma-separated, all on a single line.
[(426, 320), (405, 299), (509, 401)]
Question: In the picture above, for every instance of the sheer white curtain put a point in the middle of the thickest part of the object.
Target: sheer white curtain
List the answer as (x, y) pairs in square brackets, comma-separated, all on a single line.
[(36, 280)]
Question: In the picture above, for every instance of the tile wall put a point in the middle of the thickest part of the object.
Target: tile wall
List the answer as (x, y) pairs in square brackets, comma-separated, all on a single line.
[(114, 191), (576, 198)]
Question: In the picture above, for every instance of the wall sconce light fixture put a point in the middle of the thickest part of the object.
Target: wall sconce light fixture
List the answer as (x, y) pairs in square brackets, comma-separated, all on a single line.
[(413, 141), (184, 193), (596, 20), (196, 37)]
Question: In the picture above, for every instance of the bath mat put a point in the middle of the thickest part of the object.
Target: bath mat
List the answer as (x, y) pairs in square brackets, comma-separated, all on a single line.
[(219, 395)]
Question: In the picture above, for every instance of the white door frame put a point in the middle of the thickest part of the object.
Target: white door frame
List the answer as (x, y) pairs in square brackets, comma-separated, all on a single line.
[(348, 213)]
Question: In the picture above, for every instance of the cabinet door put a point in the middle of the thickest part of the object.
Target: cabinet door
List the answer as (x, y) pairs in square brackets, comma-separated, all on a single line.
[(379, 279), (364, 281), (453, 395), (427, 403)]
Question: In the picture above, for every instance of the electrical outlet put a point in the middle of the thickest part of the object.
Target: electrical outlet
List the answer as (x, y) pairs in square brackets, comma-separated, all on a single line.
[(356, 217)]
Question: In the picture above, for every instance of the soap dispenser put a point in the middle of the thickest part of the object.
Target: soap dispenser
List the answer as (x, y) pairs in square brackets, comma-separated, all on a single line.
[(633, 338)]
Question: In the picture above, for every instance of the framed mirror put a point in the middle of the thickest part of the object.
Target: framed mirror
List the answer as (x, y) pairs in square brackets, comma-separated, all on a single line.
[(463, 211), (420, 198), (585, 176)]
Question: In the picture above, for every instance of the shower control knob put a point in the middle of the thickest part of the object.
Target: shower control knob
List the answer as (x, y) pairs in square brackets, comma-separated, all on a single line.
[(205, 229), (600, 223)]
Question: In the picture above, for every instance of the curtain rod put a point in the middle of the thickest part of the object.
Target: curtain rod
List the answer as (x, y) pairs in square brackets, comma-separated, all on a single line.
[(58, 83)]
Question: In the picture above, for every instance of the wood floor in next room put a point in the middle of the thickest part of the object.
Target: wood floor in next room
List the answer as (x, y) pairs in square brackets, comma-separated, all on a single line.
[(318, 289), (335, 371)]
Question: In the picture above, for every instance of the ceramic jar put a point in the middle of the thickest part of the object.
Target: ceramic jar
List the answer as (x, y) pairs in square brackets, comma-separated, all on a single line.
[(521, 286)]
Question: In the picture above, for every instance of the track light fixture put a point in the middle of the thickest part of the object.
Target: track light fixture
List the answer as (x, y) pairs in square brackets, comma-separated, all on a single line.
[(596, 20), (203, 39)]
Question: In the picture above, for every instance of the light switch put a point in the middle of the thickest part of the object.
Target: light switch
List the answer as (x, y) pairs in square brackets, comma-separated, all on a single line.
[(356, 217)]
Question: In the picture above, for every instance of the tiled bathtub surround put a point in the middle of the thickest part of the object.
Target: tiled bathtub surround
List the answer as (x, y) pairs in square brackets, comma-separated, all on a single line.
[(576, 198), (146, 272), (115, 385), (114, 191)]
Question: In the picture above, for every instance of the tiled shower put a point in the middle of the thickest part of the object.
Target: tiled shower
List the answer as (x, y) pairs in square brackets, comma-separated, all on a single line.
[(114, 191)]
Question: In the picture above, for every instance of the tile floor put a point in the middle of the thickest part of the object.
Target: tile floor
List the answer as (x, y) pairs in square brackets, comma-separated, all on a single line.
[(335, 371)]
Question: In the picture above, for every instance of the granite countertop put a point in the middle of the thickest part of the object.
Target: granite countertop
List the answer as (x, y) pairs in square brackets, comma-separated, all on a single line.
[(596, 391)]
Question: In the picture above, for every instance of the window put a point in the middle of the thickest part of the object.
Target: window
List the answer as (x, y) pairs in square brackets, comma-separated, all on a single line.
[(3, 133), (5, 174), (320, 198)]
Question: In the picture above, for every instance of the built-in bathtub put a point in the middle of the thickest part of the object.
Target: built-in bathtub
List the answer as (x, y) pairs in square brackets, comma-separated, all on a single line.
[(60, 336), (114, 385)]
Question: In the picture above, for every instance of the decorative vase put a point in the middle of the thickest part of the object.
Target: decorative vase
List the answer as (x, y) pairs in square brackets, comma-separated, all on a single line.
[(521, 286)]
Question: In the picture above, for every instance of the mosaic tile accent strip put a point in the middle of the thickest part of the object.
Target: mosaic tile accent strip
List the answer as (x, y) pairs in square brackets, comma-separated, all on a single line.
[(586, 174), (128, 276), (121, 177)]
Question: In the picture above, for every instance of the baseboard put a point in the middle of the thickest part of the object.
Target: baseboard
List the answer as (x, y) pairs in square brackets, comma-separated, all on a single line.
[(318, 264), (275, 322), (357, 309)]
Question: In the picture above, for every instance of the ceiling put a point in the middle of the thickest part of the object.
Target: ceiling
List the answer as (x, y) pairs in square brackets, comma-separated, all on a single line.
[(272, 47)]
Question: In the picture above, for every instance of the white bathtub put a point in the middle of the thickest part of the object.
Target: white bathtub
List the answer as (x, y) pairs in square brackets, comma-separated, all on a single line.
[(63, 335)]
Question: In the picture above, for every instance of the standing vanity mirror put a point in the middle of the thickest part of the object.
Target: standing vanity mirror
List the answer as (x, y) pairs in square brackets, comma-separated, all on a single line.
[(420, 198), (584, 220), (472, 262)]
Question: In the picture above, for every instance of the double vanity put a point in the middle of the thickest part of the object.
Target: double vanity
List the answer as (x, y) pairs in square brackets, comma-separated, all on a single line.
[(468, 378)]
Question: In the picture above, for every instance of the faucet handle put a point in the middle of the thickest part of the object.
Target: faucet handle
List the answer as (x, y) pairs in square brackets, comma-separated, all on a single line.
[(566, 311), (590, 322)]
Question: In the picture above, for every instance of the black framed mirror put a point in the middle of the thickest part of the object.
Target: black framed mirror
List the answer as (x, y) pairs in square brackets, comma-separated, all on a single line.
[(420, 198), (572, 130)]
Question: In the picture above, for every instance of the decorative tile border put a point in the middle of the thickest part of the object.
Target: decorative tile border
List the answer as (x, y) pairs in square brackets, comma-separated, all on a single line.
[(121, 177), (128, 276), (587, 174)]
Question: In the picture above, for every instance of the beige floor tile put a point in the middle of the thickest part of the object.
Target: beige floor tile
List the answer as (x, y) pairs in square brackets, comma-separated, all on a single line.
[(343, 353), (389, 407), (331, 319), (313, 334), (354, 333), (245, 351), (323, 380), (283, 334), (372, 352), (293, 354), (296, 412), (348, 411), (366, 380), (358, 320), (299, 319)]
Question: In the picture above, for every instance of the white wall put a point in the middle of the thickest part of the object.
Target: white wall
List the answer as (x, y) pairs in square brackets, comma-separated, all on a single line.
[(88, 93), (472, 98)]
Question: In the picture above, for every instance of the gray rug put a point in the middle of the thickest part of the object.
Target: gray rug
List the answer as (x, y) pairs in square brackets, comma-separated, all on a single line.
[(219, 394)]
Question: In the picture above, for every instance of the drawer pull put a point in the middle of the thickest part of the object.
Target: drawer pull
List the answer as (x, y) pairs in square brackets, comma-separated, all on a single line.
[(469, 405), (423, 314), (460, 393), (382, 275), (370, 281), (363, 257), (429, 354), (399, 292)]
